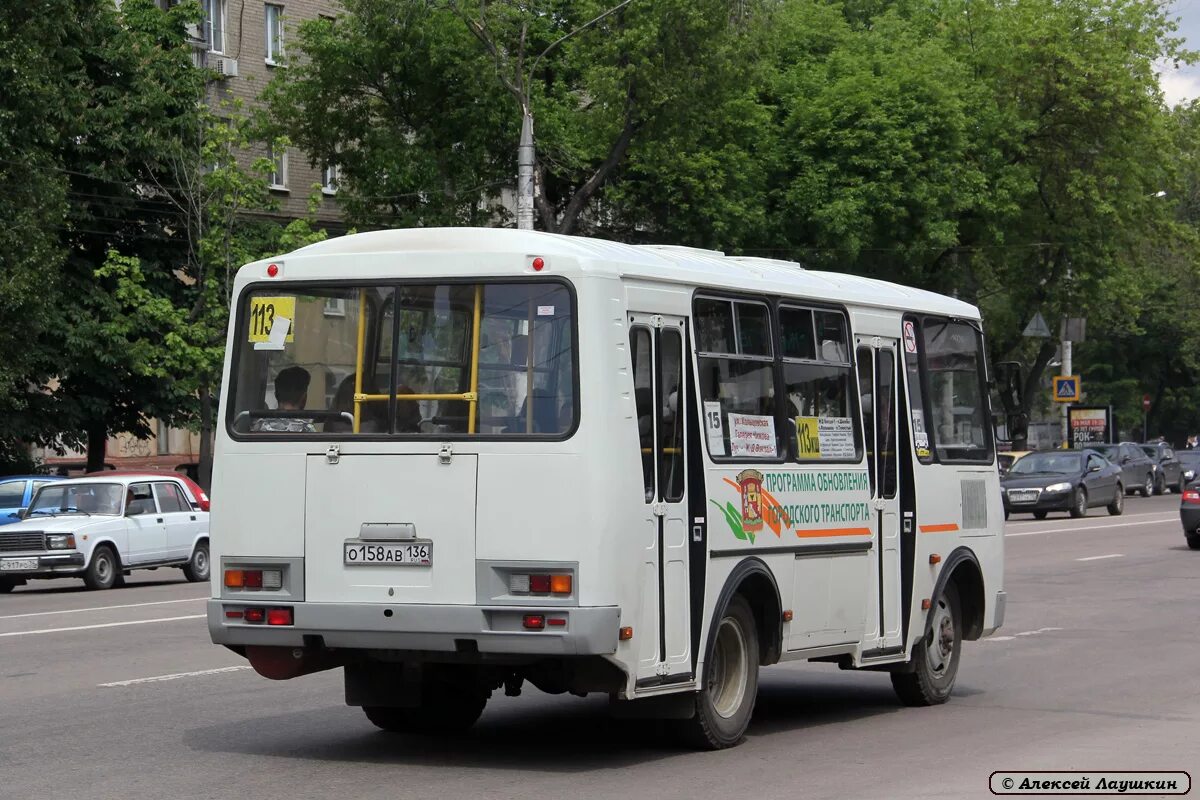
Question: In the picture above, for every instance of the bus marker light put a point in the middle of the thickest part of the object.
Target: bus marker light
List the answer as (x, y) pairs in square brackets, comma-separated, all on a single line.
[(535, 622), (272, 270), (255, 615), (787, 615), (926, 605), (538, 264), (279, 616), (625, 634), (557, 622), (234, 578), (233, 614), (539, 584), (935, 559), (252, 578), (560, 584)]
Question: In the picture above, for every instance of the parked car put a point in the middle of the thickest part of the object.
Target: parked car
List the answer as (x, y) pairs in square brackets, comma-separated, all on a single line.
[(1006, 459), (1062, 480), (101, 528), (196, 495), (1137, 467), (1169, 472), (1189, 462), (1189, 515), (16, 491)]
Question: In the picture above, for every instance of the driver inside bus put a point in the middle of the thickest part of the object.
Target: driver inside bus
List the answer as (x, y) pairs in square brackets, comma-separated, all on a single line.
[(291, 394)]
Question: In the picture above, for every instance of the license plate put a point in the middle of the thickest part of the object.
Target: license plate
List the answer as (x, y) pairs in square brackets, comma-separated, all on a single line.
[(413, 553), (14, 564), (1025, 496)]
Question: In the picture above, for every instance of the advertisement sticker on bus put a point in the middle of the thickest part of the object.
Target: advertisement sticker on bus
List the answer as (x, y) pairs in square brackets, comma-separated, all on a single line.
[(910, 337)]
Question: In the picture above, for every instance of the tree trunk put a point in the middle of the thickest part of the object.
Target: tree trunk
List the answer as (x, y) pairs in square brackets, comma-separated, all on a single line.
[(206, 437), (97, 442)]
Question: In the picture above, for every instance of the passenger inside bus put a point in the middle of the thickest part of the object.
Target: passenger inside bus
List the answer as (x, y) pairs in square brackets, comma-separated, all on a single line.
[(291, 394)]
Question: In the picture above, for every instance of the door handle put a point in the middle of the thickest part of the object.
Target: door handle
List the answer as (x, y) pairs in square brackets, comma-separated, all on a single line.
[(193, 517), (159, 519)]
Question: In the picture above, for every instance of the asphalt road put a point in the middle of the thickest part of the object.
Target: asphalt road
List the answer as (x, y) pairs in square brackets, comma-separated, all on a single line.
[(1096, 668)]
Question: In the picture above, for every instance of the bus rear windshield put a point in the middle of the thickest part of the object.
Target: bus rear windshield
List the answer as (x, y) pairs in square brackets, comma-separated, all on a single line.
[(416, 359)]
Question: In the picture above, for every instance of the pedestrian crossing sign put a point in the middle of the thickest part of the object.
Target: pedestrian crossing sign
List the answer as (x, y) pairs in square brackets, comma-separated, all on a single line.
[(1066, 389)]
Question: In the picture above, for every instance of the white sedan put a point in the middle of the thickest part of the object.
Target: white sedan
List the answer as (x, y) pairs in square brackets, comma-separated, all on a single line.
[(101, 528)]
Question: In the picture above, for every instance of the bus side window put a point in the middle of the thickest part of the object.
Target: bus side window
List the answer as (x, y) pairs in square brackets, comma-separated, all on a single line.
[(670, 419), (643, 393)]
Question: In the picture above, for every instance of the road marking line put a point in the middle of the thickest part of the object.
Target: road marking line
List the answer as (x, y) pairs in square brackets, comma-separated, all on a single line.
[(1095, 527), (176, 676), (103, 625), (1097, 558), (102, 608), (1015, 635)]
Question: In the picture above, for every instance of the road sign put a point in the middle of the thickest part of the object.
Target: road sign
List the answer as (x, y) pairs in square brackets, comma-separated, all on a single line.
[(1066, 389), (1145, 402), (1037, 327)]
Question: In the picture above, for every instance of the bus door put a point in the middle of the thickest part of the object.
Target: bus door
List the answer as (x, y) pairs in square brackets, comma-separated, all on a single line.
[(657, 353), (878, 373)]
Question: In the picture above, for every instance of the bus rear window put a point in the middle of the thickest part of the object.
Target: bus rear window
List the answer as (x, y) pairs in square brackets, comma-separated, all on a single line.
[(405, 360)]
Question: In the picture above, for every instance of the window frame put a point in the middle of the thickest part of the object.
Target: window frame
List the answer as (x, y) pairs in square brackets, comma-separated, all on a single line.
[(209, 17), (851, 365), (229, 393), (693, 343), (273, 57), (178, 494), (279, 167), (920, 319), (331, 175)]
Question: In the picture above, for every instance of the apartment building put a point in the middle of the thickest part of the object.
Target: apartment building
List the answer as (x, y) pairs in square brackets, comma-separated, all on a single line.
[(246, 42)]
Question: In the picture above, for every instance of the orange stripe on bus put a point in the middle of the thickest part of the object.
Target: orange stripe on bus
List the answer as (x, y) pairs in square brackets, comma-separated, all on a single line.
[(946, 528), (806, 534)]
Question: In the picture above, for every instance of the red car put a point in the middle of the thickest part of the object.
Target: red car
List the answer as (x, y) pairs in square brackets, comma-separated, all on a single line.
[(198, 498)]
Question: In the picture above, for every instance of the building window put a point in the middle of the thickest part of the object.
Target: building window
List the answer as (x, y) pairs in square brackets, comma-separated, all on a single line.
[(335, 306), (214, 23), (274, 34), (163, 439), (278, 155), (330, 176)]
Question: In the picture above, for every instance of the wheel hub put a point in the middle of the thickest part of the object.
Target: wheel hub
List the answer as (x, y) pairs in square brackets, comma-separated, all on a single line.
[(729, 669), (939, 642)]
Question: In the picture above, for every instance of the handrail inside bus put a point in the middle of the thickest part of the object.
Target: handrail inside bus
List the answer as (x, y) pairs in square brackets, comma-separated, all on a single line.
[(471, 397)]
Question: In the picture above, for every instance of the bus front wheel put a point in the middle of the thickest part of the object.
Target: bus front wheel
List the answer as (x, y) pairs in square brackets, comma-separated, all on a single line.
[(725, 701), (934, 665)]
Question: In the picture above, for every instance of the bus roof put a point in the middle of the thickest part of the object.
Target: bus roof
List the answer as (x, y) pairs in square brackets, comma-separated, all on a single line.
[(667, 263)]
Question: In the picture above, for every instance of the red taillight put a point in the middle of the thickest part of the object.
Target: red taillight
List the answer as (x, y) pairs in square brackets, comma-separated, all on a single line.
[(1191, 496), (556, 622), (539, 584), (279, 616), (232, 614), (252, 578), (255, 615), (535, 622)]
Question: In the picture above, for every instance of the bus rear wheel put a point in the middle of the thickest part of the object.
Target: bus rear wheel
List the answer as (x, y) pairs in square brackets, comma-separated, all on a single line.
[(445, 708), (725, 702), (934, 665)]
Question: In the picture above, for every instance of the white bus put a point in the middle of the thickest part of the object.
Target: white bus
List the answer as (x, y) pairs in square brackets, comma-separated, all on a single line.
[(455, 460)]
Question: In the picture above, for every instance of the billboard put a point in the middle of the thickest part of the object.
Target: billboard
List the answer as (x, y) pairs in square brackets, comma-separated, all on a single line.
[(1090, 425)]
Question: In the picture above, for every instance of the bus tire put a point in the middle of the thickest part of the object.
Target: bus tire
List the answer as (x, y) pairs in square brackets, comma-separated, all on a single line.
[(444, 709), (1193, 541), (725, 702), (7, 585), (935, 658), (103, 571)]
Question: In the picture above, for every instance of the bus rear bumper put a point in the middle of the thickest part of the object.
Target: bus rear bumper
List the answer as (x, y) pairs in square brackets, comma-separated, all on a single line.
[(588, 630)]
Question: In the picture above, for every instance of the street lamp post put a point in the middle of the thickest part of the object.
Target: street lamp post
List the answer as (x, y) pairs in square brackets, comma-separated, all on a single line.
[(525, 150)]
